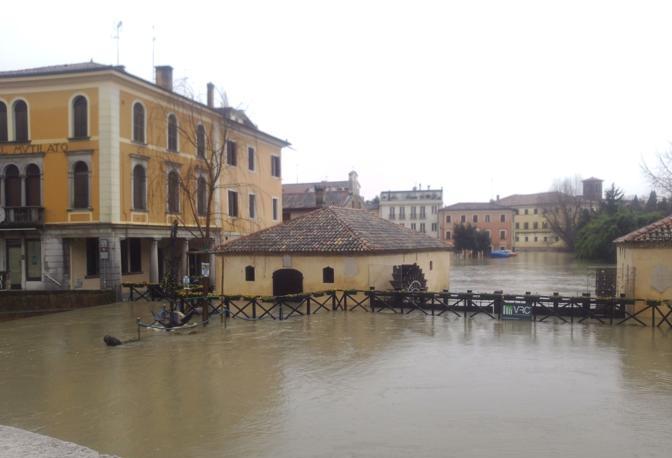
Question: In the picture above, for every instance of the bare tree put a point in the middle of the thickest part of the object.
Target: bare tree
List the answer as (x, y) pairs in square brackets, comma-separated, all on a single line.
[(660, 174), (204, 145), (565, 212)]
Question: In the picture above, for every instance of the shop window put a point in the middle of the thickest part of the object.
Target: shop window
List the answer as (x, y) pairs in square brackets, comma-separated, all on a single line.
[(12, 186), (20, 121), (92, 257), (172, 132), (81, 185), (139, 188), (249, 273), (3, 122), (328, 275), (173, 192), (138, 123), (80, 128), (33, 194), (33, 260), (135, 255)]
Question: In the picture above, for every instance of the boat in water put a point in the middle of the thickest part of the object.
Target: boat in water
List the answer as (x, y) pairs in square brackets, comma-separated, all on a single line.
[(502, 254)]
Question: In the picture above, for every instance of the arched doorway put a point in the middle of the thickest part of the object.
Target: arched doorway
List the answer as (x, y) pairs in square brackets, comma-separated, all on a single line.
[(287, 281)]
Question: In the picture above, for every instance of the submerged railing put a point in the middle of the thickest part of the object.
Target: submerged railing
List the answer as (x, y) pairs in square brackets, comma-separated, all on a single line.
[(567, 309)]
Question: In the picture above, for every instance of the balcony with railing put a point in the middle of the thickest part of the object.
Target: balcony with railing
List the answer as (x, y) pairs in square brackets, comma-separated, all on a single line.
[(21, 216)]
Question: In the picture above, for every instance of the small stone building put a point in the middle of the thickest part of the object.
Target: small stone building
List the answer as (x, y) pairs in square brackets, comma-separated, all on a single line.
[(330, 248), (644, 261)]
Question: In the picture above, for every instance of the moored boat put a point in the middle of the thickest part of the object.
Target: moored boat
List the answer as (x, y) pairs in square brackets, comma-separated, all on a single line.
[(502, 254)]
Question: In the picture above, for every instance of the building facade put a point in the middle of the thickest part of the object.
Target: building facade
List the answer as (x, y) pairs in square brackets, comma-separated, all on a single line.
[(96, 165), (417, 209), (490, 217), (301, 198), (531, 228)]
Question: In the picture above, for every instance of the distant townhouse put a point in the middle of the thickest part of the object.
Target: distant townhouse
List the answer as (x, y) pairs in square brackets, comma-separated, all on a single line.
[(495, 219), (532, 230), (417, 209), (301, 198)]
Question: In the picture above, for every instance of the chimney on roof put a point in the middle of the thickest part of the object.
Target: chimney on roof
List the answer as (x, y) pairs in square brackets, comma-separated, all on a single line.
[(164, 76), (497, 197), (319, 196), (211, 95)]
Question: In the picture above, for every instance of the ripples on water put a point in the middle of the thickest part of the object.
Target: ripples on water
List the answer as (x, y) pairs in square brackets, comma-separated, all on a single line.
[(340, 384)]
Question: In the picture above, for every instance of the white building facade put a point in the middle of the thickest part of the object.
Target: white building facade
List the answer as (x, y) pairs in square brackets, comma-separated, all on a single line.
[(416, 209)]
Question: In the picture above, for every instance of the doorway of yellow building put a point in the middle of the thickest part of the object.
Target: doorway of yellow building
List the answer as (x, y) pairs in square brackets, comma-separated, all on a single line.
[(287, 281)]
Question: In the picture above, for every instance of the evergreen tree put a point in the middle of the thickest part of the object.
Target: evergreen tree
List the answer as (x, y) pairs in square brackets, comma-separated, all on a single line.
[(613, 199), (652, 203)]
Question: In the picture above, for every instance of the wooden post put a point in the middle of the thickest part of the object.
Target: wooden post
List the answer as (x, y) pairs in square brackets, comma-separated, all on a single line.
[(279, 303), (499, 303), (254, 308), (467, 302), (137, 323), (308, 305), (372, 298)]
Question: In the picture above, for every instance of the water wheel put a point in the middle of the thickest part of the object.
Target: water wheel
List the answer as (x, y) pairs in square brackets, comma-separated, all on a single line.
[(408, 277)]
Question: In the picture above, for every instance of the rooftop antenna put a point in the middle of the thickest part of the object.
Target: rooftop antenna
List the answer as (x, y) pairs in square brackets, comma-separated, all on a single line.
[(153, 48), (116, 37)]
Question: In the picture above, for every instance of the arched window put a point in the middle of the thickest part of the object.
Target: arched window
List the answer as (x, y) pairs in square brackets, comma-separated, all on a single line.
[(3, 122), (172, 133), (201, 203), (20, 121), (200, 140), (249, 273), (139, 188), (138, 123), (33, 195), (12, 186), (327, 275), (81, 185), (80, 124), (173, 192)]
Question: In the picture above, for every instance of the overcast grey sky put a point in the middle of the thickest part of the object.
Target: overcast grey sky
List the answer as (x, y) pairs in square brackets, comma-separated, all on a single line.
[(478, 97)]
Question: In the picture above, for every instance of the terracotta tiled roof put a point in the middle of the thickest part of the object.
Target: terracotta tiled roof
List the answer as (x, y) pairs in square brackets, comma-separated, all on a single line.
[(658, 232), (334, 230), (476, 206), (53, 69), (540, 198)]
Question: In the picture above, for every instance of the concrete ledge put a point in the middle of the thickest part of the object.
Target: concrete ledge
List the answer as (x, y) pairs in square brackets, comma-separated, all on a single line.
[(20, 304), (18, 443)]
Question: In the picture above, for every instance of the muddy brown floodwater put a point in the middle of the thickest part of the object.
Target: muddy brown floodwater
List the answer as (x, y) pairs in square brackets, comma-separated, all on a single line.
[(340, 385)]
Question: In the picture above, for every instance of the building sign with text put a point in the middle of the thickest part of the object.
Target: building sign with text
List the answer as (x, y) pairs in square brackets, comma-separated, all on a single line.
[(516, 312)]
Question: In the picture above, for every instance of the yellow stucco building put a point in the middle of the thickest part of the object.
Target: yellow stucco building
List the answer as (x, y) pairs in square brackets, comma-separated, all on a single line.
[(96, 164), (331, 248), (644, 262)]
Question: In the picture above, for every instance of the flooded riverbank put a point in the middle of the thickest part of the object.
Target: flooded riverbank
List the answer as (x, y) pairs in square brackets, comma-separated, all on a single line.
[(340, 384)]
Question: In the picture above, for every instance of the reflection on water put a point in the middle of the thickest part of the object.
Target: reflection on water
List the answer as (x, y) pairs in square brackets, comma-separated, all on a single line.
[(538, 273), (340, 384)]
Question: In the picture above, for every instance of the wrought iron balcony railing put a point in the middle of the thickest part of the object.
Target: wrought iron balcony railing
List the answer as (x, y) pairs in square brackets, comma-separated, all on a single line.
[(22, 216)]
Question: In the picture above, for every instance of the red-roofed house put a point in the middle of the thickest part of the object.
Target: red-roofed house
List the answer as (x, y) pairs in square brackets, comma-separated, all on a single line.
[(329, 248)]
